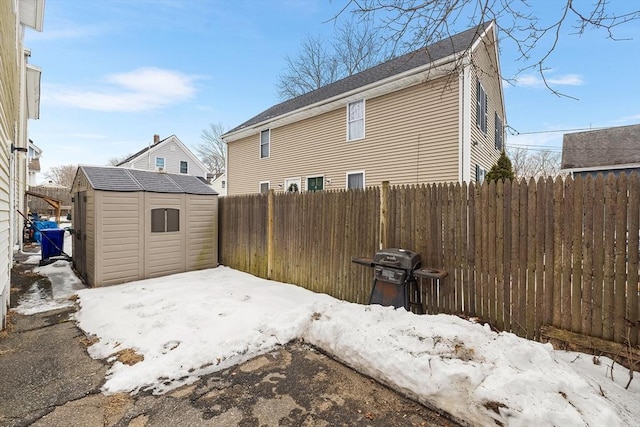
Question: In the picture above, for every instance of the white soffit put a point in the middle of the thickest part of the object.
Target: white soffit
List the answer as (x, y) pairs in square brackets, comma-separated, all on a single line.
[(32, 13), (33, 91)]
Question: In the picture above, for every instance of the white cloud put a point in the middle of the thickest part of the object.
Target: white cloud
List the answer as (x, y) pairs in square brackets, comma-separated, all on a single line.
[(535, 80), (138, 90)]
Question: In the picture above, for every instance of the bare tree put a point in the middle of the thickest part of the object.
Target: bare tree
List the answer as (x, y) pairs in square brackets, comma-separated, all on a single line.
[(355, 47), (411, 24), (212, 150), (115, 161), (536, 163), (62, 175), (311, 69)]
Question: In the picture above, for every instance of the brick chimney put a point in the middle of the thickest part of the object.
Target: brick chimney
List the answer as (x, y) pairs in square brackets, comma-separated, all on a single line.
[(156, 138)]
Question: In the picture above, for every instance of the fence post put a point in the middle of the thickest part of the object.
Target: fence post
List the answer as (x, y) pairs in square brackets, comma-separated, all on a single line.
[(384, 211), (270, 209)]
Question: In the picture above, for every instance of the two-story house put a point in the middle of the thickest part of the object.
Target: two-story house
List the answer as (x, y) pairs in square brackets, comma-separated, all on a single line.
[(33, 162), (611, 150), (166, 155), (19, 102), (433, 115)]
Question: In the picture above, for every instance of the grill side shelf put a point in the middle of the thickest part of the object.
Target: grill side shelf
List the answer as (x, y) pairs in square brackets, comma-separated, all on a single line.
[(430, 273), (367, 262)]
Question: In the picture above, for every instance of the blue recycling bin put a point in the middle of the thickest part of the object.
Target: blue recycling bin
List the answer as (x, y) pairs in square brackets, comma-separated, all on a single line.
[(40, 225), (52, 242)]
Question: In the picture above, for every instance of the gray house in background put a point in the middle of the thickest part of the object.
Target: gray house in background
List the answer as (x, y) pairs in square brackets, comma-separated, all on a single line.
[(615, 150), (131, 224), (166, 155)]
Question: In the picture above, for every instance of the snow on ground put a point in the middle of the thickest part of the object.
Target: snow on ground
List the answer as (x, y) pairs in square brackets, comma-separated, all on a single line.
[(190, 324)]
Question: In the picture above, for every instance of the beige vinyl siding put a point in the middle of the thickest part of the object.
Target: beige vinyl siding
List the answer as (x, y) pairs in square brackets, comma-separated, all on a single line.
[(121, 237), (165, 252), (410, 136), (9, 116), (483, 151), (202, 232), (90, 234)]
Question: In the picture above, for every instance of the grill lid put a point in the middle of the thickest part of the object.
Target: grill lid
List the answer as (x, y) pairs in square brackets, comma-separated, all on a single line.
[(398, 258)]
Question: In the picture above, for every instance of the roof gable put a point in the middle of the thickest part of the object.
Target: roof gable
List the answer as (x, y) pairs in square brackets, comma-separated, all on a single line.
[(169, 140), (446, 48), (127, 180), (604, 147)]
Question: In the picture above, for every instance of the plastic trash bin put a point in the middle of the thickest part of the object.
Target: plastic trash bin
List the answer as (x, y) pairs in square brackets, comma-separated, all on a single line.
[(52, 242), (42, 225)]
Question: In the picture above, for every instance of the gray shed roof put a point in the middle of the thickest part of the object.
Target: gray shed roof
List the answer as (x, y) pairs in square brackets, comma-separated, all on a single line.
[(123, 179), (601, 148), (455, 44)]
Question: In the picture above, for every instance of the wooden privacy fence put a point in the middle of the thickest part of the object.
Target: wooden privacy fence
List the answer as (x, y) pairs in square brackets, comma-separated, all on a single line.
[(519, 254)]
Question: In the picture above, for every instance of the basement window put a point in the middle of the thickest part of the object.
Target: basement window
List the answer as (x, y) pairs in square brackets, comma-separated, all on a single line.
[(164, 220)]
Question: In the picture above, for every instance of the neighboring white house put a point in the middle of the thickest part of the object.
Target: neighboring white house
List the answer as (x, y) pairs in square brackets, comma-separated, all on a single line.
[(219, 183), (167, 155), (33, 162)]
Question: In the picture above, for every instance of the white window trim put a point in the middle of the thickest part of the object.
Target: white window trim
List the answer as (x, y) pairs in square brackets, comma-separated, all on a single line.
[(260, 186), (289, 181), (481, 172), (316, 175), (364, 122), (164, 162), (260, 141), (364, 178)]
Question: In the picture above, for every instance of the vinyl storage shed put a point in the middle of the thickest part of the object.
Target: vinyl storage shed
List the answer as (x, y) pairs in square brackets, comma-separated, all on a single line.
[(132, 224)]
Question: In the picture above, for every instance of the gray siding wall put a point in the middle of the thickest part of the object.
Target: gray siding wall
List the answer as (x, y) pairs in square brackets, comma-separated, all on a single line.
[(173, 153), (411, 136), (120, 251)]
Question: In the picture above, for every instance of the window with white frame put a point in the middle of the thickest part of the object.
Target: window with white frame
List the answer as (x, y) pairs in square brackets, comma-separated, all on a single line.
[(159, 163), (355, 180), (265, 142), (481, 107), (264, 187), (499, 132), (184, 167), (481, 173), (355, 120)]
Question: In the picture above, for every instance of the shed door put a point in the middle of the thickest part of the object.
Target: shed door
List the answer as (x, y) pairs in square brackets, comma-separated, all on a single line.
[(80, 237)]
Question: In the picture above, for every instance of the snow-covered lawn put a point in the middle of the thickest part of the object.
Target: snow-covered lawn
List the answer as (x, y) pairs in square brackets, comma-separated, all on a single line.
[(190, 324)]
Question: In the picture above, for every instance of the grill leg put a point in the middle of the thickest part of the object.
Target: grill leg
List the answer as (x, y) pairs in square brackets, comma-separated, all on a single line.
[(415, 297)]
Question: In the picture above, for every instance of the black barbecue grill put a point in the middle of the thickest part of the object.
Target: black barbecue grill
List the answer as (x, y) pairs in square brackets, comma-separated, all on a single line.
[(395, 273)]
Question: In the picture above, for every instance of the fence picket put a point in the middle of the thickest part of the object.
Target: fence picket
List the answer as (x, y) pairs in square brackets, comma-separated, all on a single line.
[(519, 254)]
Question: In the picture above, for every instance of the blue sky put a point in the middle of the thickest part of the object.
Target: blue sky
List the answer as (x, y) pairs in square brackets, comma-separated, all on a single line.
[(114, 73)]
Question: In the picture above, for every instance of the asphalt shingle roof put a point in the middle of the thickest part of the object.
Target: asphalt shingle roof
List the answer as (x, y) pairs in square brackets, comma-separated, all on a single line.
[(455, 44), (604, 147), (122, 179)]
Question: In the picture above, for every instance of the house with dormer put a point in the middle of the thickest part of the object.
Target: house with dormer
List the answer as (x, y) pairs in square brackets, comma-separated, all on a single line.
[(167, 155), (433, 115)]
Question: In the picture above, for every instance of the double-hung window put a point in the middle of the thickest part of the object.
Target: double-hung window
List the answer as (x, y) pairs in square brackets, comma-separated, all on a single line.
[(264, 187), (355, 180), (355, 120), (265, 142), (159, 163), (499, 133), (184, 167), (481, 107)]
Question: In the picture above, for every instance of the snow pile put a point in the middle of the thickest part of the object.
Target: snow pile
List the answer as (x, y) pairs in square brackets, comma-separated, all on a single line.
[(190, 324)]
